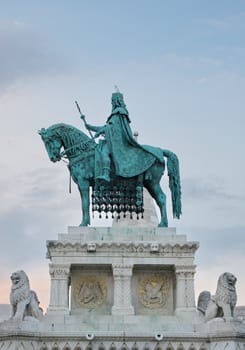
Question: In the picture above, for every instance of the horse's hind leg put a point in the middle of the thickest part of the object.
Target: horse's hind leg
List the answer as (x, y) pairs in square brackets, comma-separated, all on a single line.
[(156, 192)]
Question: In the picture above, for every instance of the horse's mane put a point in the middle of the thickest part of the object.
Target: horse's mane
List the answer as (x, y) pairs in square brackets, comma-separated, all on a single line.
[(68, 133)]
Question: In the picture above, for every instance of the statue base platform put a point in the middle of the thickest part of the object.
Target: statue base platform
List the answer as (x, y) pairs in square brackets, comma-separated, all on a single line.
[(122, 271), (121, 288)]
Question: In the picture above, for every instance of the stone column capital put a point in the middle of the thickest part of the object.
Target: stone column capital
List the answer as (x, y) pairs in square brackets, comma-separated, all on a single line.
[(185, 270), (122, 270), (59, 271)]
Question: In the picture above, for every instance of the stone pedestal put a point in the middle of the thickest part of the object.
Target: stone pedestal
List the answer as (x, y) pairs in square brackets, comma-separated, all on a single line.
[(122, 288), (122, 271)]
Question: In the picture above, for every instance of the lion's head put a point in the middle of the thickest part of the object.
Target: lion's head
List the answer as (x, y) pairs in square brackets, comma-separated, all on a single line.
[(227, 280), (19, 278), (226, 290), (20, 287)]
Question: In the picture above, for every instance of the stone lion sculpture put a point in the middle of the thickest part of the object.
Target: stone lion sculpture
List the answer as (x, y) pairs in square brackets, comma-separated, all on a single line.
[(24, 301), (222, 304)]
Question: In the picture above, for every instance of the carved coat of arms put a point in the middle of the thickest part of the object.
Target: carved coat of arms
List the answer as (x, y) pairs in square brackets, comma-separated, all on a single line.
[(90, 291), (153, 291)]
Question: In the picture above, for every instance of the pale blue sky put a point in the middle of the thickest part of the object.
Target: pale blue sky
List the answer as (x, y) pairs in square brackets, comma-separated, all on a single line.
[(180, 65)]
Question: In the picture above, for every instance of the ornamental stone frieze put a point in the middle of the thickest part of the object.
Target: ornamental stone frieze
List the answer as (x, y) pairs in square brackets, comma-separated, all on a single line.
[(57, 248), (117, 344)]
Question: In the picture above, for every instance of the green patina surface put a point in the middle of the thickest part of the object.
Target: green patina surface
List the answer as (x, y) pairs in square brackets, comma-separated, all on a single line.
[(119, 146), (117, 166)]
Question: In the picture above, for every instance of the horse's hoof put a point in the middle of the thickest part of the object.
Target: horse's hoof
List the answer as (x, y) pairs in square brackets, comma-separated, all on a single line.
[(163, 225)]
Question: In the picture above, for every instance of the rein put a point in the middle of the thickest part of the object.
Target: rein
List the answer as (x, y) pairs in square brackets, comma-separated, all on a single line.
[(81, 157), (83, 146)]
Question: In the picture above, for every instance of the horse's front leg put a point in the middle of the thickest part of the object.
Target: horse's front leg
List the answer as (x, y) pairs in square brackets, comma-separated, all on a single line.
[(83, 186)]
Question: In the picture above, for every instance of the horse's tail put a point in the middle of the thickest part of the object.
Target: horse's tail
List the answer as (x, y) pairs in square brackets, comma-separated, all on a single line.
[(174, 181)]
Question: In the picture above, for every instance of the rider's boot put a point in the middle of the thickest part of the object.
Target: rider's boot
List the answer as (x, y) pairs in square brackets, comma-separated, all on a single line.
[(106, 175)]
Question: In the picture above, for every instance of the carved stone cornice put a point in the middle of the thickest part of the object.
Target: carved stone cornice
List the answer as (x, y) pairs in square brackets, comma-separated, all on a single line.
[(137, 248)]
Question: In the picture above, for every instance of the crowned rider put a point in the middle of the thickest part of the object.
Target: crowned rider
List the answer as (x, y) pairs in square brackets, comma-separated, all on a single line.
[(119, 146)]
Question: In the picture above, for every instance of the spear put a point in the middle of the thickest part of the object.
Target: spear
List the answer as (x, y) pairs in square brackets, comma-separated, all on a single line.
[(82, 116)]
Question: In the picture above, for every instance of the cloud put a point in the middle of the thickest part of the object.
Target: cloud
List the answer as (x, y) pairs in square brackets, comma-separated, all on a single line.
[(221, 250), (217, 243), (34, 209), (209, 61), (195, 188), (43, 209), (23, 54), (39, 210), (227, 23), (219, 23), (202, 80), (33, 212)]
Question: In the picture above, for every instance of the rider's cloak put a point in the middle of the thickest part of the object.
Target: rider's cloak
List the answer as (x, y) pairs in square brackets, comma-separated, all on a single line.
[(129, 157)]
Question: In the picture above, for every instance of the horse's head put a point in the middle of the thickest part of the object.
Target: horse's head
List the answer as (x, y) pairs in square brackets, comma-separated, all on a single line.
[(52, 143)]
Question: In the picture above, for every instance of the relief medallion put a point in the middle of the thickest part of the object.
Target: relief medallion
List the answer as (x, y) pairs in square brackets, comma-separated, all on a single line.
[(153, 291), (90, 291)]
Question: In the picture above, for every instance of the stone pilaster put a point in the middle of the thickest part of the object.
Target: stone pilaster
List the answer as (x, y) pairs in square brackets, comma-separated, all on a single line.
[(190, 289), (59, 289), (122, 290), (185, 292)]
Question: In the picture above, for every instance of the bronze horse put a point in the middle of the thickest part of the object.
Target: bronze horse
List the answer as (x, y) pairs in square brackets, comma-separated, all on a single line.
[(62, 140)]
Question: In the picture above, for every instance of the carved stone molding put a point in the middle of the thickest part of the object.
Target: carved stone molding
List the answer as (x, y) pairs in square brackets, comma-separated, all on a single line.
[(190, 342), (130, 248)]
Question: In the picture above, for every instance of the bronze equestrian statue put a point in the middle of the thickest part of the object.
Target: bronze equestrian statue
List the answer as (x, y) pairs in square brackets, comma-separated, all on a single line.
[(117, 167)]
